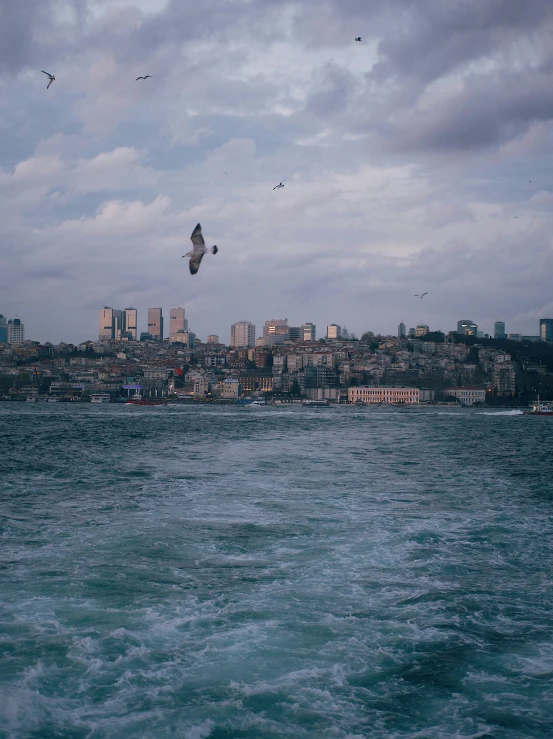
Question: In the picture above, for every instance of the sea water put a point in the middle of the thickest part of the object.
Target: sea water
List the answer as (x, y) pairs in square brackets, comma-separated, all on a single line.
[(223, 572)]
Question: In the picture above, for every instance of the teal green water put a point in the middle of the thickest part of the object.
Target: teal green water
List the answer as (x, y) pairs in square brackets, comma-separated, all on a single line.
[(275, 572)]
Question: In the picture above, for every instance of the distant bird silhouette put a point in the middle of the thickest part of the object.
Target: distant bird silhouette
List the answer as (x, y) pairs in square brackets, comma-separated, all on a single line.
[(421, 296), (50, 77), (143, 78), (515, 216), (199, 249), (277, 187), (358, 38)]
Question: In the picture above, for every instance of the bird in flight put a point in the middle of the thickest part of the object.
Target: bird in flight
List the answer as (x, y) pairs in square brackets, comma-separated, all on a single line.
[(51, 78), (277, 187), (357, 38), (198, 250), (143, 78), (421, 296)]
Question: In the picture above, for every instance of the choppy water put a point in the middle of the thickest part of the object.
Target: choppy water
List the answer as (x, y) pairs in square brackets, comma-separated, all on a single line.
[(275, 572)]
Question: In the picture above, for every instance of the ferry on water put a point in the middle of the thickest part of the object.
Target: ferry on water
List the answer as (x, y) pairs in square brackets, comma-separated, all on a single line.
[(100, 398), (541, 409), (137, 399)]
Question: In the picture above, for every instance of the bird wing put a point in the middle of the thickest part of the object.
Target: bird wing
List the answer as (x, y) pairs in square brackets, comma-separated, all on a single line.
[(195, 260), (198, 240), (48, 85), (422, 296), (139, 78), (46, 73)]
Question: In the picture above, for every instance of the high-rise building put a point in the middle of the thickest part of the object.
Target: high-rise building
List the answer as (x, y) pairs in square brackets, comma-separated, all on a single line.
[(16, 331), (177, 321), (294, 333), (118, 318), (411, 333), (212, 339), (499, 330), (276, 327), (308, 331), (242, 334), (467, 327), (130, 321), (3, 330), (546, 329), (333, 331), (401, 331), (105, 324), (155, 323)]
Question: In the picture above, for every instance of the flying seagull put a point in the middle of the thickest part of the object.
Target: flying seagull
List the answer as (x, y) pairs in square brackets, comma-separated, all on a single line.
[(197, 253), (357, 38), (50, 77), (421, 296), (277, 187), (143, 78)]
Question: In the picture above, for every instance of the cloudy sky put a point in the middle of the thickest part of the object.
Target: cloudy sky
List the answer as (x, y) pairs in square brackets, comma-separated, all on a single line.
[(417, 160)]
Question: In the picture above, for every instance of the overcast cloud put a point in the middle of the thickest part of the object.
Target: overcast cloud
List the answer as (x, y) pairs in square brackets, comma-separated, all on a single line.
[(406, 159)]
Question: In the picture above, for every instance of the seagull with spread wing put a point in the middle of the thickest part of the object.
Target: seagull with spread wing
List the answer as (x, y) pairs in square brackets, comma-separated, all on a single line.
[(51, 78), (277, 187), (198, 250), (421, 296), (143, 78)]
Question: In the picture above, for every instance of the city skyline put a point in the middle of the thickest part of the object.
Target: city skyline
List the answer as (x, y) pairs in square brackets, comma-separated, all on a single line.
[(117, 324)]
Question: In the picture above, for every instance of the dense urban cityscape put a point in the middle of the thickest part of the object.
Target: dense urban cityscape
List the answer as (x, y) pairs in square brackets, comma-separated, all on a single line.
[(285, 364)]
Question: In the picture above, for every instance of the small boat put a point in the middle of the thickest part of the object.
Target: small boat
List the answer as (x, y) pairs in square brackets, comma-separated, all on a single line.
[(541, 409), (100, 398), (137, 399), (31, 399), (258, 402), (315, 403)]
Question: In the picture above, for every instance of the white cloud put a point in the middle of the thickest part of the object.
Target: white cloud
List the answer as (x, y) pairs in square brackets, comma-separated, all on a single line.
[(406, 159)]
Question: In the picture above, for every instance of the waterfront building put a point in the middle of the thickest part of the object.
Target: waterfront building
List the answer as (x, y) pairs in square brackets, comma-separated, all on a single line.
[(383, 394), (177, 321), (421, 330), (499, 330), (3, 330), (242, 334), (546, 329), (155, 323), (467, 327), (467, 395), (308, 332), (401, 331), (16, 331), (231, 389), (212, 339), (333, 331)]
